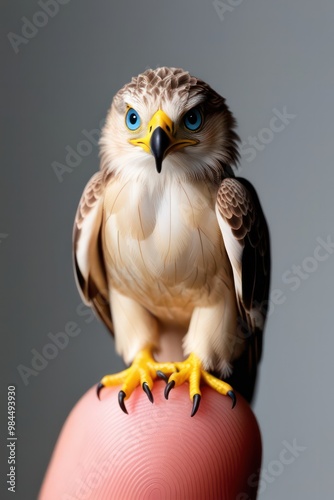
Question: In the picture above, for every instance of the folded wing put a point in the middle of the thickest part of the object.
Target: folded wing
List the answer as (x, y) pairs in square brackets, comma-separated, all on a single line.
[(87, 249), (246, 238)]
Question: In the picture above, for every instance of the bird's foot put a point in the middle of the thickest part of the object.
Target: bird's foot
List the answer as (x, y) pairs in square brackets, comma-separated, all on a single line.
[(191, 370), (143, 371)]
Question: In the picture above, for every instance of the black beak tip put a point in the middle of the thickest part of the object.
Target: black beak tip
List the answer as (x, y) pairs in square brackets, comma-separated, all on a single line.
[(158, 164), (159, 144)]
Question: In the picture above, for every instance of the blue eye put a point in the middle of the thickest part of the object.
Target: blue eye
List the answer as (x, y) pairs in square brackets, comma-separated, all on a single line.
[(193, 119), (132, 119)]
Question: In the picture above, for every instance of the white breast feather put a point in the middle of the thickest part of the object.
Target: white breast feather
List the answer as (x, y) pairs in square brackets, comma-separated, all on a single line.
[(170, 255)]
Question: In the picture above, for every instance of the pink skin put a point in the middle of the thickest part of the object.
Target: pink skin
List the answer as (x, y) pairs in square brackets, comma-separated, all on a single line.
[(156, 451)]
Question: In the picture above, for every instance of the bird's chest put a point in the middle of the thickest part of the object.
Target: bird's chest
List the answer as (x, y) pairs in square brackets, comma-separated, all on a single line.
[(163, 246)]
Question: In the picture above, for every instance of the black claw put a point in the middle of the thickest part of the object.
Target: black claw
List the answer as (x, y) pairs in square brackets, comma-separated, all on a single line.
[(148, 392), (196, 402), (162, 375), (99, 389), (232, 395), (168, 388), (121, 397)]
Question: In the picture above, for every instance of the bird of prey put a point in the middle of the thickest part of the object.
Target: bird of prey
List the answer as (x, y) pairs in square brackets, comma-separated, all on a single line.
[(167, 239)]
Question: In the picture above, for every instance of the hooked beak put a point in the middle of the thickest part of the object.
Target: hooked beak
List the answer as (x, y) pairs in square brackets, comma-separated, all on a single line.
[(160, 139), (159, 144)]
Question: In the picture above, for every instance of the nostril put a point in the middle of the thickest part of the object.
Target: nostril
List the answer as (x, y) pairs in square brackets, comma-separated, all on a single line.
[(168, 128), (151, 128)]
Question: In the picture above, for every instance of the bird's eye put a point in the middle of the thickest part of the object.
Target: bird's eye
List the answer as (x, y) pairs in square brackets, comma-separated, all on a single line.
[(193, 119), (132, 119)]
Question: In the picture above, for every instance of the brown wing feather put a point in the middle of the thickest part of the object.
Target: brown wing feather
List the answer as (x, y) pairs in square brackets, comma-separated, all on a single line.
[(87, 249), (246, 239)]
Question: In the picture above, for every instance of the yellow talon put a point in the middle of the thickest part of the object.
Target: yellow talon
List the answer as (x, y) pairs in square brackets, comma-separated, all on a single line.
[(143, 371), (191, 370), (216, 384)]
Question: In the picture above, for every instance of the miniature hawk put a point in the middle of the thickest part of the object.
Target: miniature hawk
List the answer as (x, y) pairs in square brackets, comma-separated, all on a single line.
[(167, 239)]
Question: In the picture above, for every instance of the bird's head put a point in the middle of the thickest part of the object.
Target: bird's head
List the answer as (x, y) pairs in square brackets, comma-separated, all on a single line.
[(166, 120)]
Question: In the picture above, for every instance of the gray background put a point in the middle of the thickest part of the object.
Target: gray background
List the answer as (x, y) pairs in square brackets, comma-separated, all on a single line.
[(263, 55)]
